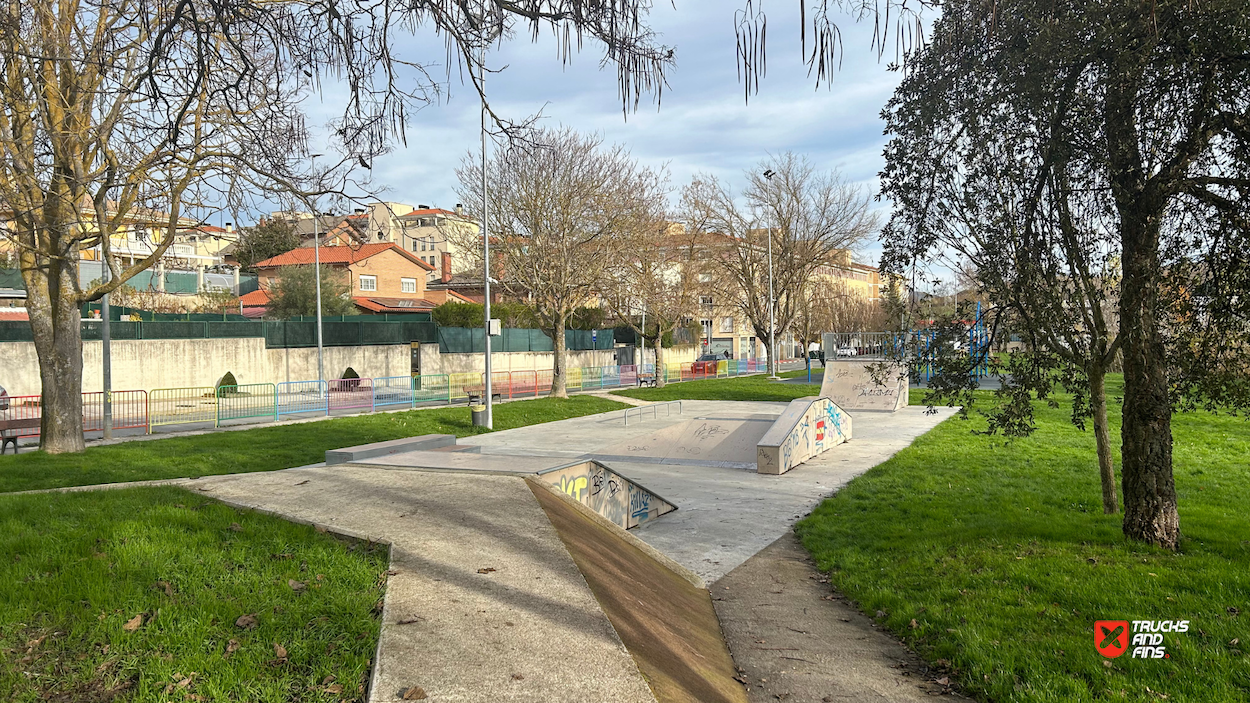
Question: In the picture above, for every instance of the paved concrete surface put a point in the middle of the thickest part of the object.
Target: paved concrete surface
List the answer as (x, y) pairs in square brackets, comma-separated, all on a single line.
[(710, 441), (724, 515), (527, 630), (795, 640)]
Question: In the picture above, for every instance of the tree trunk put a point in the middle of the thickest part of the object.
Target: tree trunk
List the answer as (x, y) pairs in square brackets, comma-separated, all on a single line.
[(1146, 434), (1149, 489), (1102, 438), (659, 359), (559, 381), (56, 326)]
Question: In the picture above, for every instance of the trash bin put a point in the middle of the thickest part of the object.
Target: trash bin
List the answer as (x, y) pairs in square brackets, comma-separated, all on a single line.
[(479, 415)]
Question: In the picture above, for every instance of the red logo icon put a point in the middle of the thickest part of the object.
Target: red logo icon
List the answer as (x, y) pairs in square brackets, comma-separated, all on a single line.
[(1111, 637), (820, 430)]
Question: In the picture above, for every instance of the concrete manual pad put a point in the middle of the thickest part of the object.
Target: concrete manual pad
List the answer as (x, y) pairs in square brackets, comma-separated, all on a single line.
[(492, 606), (707, 441)]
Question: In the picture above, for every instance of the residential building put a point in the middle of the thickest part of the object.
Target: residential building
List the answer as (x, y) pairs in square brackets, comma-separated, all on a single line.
[(425, 231), (383, 278)]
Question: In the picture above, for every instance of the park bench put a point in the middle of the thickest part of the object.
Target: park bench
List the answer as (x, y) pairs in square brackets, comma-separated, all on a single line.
[(479, 391), (24, 423), (646, 379)]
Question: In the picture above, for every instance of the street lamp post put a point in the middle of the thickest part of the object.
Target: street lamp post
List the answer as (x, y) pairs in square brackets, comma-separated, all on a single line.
[(490, 420), (106, 352), (772, 300), (321, 372)]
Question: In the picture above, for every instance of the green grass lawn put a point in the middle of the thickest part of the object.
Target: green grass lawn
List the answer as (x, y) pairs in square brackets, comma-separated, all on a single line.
[(136, 594), (267, 448), (756, 387), (995, 560)]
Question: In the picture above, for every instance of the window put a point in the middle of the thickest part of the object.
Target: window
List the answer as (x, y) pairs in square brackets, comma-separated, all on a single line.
[(705, 278), (408, 285), (368, 283), (726, 324), (705, 300), (707, 328)]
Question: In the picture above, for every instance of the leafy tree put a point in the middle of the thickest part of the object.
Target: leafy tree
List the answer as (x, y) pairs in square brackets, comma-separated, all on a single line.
[(268, 239), (1093, 160), (295, 293)]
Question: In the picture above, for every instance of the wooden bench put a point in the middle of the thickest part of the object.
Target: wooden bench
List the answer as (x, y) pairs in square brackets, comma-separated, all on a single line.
[(646, 379), (478, 392), (24, 423)]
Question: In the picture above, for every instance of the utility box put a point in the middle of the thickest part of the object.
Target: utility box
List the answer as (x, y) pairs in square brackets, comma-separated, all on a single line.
[(495, 327)]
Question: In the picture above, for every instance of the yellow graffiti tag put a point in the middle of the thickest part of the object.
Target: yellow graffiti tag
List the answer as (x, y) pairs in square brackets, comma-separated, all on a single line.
[(573, 486)]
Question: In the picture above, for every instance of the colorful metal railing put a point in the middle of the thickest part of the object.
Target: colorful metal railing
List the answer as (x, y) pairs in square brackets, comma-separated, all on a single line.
[(205, 405), (301, 398), (247, 401)]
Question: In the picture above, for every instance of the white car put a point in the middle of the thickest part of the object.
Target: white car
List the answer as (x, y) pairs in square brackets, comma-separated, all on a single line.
[(846, 351)]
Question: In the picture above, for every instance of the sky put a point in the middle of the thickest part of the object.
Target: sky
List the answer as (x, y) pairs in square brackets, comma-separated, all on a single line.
[(702, 123)]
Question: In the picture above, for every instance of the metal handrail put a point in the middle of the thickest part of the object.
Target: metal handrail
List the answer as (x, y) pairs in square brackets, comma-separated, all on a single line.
[(655, 410)]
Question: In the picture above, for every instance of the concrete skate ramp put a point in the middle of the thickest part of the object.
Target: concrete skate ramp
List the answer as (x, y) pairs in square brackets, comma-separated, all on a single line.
[(851, 384), (660, 610), (705, 441), (809, 427), (618, 499)]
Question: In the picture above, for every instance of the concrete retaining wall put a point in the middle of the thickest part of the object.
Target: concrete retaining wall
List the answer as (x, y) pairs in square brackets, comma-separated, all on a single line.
[(180, 363), (808, 427)]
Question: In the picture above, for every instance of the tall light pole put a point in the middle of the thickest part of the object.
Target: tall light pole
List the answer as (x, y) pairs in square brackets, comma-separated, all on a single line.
[(321, 371), (106, 351), (490, 419), (772, 300)]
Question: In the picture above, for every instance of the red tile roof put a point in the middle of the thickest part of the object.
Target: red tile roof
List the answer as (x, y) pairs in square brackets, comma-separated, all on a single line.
[(340, 255), (13, 315), (429, 211), (257, 298)]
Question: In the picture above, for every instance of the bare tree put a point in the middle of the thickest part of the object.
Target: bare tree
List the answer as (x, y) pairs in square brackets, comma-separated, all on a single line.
[(657, 272), (810, 215), (125, 115), (560, 207)]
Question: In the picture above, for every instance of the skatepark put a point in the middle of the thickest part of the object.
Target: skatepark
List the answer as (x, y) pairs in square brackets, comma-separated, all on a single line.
[(590, 558)]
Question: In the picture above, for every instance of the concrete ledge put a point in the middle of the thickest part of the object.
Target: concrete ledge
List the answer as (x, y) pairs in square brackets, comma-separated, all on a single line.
[(810, 426), (394, 446)]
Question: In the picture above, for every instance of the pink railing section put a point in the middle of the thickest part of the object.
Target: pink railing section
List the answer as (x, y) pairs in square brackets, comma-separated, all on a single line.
[(350, 393)]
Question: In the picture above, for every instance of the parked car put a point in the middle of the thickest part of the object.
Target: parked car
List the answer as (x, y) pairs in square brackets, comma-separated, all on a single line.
[(706, 364), (846, 351)]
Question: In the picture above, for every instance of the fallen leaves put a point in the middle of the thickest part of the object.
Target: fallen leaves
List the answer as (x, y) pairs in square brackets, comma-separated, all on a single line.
[(913, 624), (180, 682), (247, 622), (231, 647), (279, 653), (486, 570), (164, 586), (334, 688), (133, 623), (412, 693), (297, 586), (236, 527)]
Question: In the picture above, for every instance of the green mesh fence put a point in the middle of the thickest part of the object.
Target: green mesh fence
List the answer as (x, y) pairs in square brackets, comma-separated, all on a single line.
[(179, 282)]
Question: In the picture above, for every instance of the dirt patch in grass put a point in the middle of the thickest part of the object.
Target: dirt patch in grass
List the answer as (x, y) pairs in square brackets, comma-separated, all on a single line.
[(668, 624)]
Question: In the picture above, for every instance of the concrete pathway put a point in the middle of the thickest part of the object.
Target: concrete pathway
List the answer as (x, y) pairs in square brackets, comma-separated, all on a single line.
[(483, 602), (795, 640)]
